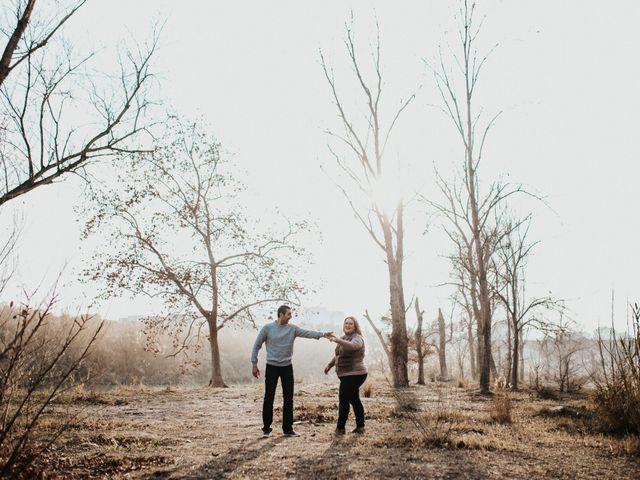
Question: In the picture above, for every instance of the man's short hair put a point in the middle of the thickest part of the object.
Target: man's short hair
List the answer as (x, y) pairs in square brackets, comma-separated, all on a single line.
[(282, 309)]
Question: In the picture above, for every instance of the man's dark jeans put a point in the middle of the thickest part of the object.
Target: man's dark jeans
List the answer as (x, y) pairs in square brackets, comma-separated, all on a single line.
[(271, 376), (349, 394)]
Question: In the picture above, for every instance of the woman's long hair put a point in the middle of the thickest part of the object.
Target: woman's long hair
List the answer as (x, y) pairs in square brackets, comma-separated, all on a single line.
[(355, 324)]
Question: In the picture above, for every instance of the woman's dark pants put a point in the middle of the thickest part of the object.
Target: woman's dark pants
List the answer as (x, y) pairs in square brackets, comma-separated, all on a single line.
[(271, 376), (349, 394)]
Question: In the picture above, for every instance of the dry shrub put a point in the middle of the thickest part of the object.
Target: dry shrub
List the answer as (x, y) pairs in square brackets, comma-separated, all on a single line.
[(629, 445), (41, 356), (617, 396), (406, 401), (367, 390), (434, 428), (544, 392), (618, 406), (500, 408)]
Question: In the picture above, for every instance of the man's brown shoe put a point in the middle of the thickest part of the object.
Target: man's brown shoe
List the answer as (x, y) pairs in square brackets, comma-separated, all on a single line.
[(359, 430), (340, 431)]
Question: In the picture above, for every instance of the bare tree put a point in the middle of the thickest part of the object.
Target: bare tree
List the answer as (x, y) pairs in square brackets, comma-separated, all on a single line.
[(443, 339), (55, 116), (175, 232), (382, 337), (460, 344), (561, 345), (474, 218), (422, 346), (367, 171), (513, 252)]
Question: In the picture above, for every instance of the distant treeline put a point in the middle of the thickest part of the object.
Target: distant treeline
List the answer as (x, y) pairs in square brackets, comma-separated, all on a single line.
[(121, 354)]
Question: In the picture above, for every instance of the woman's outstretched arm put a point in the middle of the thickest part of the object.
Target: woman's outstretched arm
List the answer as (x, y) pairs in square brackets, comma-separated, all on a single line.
[(355, 343)]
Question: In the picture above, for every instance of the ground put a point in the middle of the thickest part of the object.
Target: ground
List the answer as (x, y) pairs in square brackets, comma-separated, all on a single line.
[(432, 431)]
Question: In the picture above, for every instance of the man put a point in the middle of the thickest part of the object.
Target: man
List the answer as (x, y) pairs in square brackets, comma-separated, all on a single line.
[(279, 337)]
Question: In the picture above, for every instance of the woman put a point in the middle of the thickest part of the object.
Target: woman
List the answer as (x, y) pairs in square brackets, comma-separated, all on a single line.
[(350, 368)]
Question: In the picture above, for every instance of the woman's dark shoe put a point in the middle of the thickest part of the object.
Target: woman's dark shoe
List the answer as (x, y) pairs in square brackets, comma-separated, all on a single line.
[(358, 430), (340, 431)]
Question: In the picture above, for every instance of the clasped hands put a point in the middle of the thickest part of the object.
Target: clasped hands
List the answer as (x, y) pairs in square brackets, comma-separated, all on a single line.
[(329, 336)]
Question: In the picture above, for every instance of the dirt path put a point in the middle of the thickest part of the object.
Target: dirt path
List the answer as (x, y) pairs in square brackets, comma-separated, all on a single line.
[(215, 433)]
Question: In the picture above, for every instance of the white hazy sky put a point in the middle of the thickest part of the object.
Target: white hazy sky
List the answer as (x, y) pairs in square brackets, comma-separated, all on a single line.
[(565, 75)]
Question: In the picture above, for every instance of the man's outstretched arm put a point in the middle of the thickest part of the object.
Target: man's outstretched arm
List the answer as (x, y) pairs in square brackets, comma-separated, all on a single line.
[(301, 332)]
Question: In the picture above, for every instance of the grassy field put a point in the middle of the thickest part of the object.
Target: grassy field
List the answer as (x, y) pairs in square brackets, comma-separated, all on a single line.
[(441, 430)]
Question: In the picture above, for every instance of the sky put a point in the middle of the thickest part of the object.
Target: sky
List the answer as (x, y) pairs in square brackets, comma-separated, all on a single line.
[(563, 75)]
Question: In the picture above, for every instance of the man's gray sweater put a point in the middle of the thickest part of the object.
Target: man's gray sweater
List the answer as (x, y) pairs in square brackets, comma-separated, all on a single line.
[(279, 340)]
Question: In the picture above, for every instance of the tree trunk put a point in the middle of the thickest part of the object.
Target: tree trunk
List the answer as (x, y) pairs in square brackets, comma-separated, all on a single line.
[(472, 351), (461, 365), (399, 342), (420, 353), (521, 355), (487, 359), (480, 345), (516, 358), (492, 364), (14, 41), (442, 350), (510, 343), (216, 370)]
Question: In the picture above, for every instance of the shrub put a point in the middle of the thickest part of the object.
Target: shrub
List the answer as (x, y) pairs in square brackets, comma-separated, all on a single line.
[(367, 390), (40, 357), (434, 428), (544, 392), (500, 408), (617, 396)]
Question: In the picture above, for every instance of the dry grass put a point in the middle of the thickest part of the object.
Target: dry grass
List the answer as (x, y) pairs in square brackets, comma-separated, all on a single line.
[(367, 390), (432, 431), (629, 445), (315, 413), (132, 389), (500, 407)]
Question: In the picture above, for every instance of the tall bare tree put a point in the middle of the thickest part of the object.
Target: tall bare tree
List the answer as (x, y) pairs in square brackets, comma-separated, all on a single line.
[(56, 116), (175, 232), (473, 216), (367, 172)]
